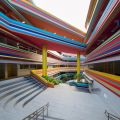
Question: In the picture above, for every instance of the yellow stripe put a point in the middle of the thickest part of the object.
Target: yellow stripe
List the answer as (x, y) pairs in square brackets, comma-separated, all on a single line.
[(44, 60), (106, 85), (114, 78)]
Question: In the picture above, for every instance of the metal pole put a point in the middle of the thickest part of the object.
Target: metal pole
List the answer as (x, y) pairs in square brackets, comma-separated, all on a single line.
[(43, 113), (36, 115), (47, 110)]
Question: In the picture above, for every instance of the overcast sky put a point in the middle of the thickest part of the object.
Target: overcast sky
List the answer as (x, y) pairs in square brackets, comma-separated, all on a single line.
[(73, 12)]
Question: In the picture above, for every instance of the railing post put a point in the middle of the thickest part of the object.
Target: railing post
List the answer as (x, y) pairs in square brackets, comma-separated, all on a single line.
[(36, 115), (47, 109), (43, 113), (40, 112)]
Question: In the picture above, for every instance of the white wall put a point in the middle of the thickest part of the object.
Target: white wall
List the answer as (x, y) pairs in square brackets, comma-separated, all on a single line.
[(111, 100)]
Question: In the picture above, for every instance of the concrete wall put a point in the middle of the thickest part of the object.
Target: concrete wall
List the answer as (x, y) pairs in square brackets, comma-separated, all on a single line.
[(23, 72), (111, 100), (8, 71)]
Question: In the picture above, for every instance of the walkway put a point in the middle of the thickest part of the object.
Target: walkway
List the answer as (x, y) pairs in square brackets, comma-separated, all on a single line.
[(66, 103)]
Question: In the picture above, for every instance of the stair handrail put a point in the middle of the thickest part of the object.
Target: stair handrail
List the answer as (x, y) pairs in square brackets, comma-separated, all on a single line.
[(38, 112), (111, 116), (90, 81)]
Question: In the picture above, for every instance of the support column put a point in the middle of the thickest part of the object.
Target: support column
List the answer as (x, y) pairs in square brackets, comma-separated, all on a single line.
[(78, 66), (44, 60)]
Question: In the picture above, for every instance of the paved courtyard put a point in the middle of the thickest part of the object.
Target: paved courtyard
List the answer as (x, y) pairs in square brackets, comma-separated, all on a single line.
[(66, 103)]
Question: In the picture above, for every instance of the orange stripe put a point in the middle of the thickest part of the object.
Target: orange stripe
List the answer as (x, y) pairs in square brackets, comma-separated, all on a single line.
[(111, 77)]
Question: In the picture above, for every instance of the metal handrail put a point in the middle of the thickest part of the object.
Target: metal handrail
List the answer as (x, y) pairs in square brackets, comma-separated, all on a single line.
[(90, 81), (111, 116), (37, 113)]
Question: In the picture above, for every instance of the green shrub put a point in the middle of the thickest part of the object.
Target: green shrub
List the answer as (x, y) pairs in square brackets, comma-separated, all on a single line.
[(53, 80), (78, 76)]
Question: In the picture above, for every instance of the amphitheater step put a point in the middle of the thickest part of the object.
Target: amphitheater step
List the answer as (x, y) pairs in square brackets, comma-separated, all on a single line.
[(20, 90)]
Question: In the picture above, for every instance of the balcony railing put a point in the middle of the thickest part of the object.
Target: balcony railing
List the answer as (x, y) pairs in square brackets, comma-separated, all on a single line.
[(111, 116), (15, 52), (51, 71), (40, 112)]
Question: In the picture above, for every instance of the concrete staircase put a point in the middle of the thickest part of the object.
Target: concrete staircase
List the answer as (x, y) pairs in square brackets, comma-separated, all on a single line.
[(20, 90)]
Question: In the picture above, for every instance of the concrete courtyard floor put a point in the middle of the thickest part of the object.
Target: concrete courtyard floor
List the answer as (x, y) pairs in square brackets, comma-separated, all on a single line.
[(66, 103)]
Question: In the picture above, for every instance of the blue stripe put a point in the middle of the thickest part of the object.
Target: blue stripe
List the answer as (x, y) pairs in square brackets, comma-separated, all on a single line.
[(27, 29)]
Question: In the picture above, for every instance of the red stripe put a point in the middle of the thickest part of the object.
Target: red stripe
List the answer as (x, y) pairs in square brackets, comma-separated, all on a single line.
[(99, 77), (105, 86)]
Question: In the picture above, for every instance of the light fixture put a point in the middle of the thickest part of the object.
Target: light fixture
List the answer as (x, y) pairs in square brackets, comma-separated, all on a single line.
[(23, 21)]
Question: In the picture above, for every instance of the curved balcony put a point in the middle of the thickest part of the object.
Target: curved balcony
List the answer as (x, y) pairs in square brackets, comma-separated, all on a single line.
[(111, 82), (109, 48), (40, 37), (8, 51), (27, 7), (50, 71), (105, 19)]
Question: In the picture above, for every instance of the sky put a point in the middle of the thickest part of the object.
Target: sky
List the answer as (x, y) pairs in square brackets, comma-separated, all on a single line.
[(73, 12), (69, 54)]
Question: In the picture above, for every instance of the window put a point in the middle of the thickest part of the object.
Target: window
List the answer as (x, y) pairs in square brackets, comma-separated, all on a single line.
[(24, 66), (33, 66), (107, 67)]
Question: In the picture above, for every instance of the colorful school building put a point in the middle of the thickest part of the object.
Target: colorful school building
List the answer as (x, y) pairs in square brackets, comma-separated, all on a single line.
[(36, 45)]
